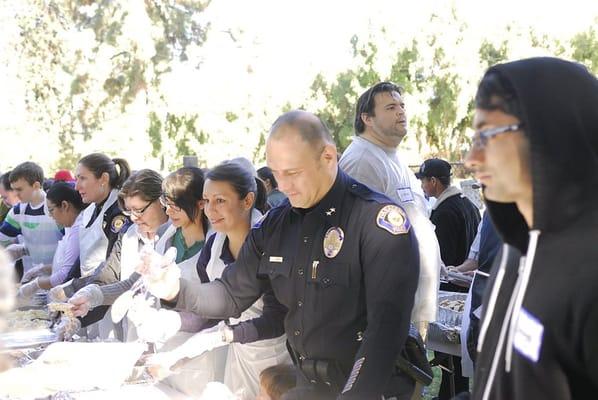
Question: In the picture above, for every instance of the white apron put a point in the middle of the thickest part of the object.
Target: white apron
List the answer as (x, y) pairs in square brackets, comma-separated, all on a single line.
[(245, 362), (208, 367), (129, 257), (32, 238), (93, 245)]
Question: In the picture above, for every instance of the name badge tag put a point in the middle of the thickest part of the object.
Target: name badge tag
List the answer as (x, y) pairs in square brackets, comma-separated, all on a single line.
[(528, 336), (276, 259), (405, 194)]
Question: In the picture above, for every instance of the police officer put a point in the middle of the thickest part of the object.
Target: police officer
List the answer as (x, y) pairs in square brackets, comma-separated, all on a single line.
[(342, 258)]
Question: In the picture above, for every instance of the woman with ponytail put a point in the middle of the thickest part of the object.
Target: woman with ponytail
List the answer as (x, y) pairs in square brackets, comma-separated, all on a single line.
[(99, 179)]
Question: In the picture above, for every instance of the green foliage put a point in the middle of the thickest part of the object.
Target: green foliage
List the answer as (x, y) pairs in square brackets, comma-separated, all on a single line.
[(585, 49), (68, 96)]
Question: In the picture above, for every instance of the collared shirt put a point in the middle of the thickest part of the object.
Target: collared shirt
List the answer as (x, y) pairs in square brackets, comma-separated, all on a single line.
[(185, 252), (349, 303)]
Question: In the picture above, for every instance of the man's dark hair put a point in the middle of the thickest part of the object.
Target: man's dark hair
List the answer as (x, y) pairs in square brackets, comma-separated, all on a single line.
[(265, 173), (366, 102), (29, 171), (496, 93), (444, 180), (5, 180)]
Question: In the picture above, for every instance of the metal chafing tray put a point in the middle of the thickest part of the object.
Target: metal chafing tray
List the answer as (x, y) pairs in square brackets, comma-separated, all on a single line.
[(24, 339)]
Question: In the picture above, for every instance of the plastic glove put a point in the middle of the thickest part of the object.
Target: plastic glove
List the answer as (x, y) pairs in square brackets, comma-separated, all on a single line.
[(35, 271), (204, 341), (85, 299), (159, 365), (67, 327), (157, 326), (28, 290), (160, 273), (16, 250), (57, 295)]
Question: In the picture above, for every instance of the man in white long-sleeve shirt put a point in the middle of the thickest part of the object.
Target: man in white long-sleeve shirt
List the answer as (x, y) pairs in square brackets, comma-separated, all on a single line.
[(380, 125)]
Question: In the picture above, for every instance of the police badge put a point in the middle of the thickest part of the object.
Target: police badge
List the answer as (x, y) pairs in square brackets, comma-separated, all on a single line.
[(393, 219), (333, 241), (117, 223)]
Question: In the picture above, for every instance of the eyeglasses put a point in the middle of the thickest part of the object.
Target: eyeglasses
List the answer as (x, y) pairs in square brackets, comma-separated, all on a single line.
[(166, 202), (480, 140), (137, 213)]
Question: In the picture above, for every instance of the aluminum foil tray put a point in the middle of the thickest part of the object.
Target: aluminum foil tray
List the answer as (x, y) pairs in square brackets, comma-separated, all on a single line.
[(24, 339)]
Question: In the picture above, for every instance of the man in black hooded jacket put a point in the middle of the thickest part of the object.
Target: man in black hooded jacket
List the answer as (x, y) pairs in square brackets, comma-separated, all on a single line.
[(536, 152)]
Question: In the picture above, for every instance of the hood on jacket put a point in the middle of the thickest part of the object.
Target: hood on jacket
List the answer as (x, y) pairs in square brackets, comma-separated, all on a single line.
[(559, 104)]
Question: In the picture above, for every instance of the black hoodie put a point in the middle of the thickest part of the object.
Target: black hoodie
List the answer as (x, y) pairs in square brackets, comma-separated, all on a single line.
[(539, 335)]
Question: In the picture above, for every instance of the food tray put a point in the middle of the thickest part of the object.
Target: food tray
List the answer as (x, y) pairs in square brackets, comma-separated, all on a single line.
[(24, 339), (449, 316)]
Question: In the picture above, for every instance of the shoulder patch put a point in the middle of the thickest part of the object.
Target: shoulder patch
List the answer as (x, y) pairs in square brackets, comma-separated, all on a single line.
[(393, 219), (117, 223)]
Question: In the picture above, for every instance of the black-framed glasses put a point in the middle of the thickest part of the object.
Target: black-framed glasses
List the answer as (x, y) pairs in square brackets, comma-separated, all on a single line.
[(137, 213), (166, 202), (480, 140)]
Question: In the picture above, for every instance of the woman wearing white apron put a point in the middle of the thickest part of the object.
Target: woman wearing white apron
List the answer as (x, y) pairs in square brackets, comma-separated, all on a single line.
[(230, 193), (98, 180), (182, 197), (139, 199), (64, 204)]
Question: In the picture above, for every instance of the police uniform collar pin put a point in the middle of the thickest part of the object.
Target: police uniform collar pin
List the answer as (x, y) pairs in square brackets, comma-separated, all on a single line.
[(331, 211)]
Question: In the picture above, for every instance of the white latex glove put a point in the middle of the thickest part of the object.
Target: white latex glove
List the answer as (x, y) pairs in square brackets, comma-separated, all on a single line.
[(16, 250), (67, 327), (35, 271), (159, 365), (204, 341), (28, 290), (157, 326), (160, 273), (57, 294), (85, 299)]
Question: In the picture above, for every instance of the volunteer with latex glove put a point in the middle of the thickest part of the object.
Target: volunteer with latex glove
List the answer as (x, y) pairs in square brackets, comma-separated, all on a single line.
[(99, 179), (139, 200), (234, 198), (65, 205), (28, 222)]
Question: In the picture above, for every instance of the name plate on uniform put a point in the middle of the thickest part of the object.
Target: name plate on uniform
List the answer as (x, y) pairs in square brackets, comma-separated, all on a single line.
[(276, 259)]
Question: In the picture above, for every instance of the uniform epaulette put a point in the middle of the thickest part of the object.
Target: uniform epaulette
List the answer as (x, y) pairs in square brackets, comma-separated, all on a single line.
[(364, 192)]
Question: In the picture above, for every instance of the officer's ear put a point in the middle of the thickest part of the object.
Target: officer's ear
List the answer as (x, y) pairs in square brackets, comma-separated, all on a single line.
[(329, 153)]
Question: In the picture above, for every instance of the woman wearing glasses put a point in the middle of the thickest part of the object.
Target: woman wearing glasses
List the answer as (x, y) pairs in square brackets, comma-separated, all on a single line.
[(234, 201), (139, 200), (65, 206)]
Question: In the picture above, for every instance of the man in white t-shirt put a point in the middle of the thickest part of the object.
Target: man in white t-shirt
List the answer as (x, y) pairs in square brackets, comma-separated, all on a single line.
[(380, 125)]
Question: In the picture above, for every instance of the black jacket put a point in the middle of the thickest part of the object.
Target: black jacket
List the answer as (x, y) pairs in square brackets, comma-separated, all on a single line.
[(542, 311), (456, 220)]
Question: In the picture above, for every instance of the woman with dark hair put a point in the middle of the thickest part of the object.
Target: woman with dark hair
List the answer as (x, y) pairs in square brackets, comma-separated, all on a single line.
[(275, 196), (234, 197), (139, 200), (98, 180), (65, 206)]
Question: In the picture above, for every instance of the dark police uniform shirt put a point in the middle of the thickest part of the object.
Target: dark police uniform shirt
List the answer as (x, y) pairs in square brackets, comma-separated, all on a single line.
[(347, 271)]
